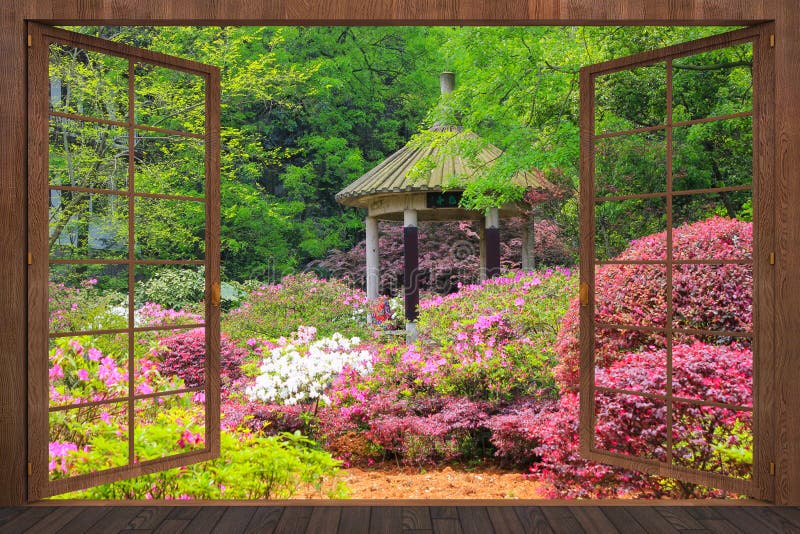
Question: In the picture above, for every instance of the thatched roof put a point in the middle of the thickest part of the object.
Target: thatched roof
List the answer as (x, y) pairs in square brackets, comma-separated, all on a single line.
[(391, 175)]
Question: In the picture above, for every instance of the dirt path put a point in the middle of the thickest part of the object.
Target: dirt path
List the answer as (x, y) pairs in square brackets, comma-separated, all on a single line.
[(443, 483)]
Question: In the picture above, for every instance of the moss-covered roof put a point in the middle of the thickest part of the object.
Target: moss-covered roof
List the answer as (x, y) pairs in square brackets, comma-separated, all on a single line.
[(391, 175)]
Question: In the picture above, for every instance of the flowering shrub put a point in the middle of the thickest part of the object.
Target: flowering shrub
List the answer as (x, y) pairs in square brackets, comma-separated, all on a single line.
[(298, 370), (75, 309), (184, 355), (274, 311)]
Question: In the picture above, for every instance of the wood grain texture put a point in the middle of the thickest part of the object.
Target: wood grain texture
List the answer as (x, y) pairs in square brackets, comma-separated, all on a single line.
[(13, 176)]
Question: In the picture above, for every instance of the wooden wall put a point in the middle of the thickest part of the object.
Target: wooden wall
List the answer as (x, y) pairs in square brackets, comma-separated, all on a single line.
[(258, 12)]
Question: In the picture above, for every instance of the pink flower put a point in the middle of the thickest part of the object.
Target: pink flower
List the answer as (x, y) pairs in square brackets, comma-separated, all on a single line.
[(519, 301), (83, 374), (105, 417), (56, 372), (94, 354)]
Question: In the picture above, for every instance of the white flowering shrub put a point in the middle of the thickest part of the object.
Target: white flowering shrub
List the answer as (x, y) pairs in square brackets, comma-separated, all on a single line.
[(300, 369)]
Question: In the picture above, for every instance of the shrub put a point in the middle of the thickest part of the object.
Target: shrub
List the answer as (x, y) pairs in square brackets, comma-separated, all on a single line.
[(275, 311), (449, 254), (181, 288), (184, 355), (705, 297)]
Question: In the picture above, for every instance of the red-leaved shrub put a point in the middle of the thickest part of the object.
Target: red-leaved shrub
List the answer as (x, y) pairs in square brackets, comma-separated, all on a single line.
[(184, 355), (705, 297)]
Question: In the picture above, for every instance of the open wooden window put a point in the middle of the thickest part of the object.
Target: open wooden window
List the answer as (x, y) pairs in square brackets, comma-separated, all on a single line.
[(653, 129), (123, 155)]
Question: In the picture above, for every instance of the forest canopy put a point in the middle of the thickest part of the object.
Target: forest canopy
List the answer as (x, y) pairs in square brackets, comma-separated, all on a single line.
[(307, 110)]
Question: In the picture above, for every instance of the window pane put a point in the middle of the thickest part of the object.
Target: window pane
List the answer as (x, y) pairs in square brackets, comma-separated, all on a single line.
[(169, 425), (713, 154), (712, 439), (85, 154), (713, 297), (169, 360), (169, 229), (87, 440), (718, 82), (168, 295), (725, 216), (631, 294), (631, 360), (88, 297), (631, 164), (170, 164), (87, 369), (621, 224), (88, 225), (713, 368), (631, 425), (88, 83), (631, 98), (169, 98)]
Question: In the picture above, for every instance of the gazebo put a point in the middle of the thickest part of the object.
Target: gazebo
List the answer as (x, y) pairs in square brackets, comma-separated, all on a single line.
[(389, 194)]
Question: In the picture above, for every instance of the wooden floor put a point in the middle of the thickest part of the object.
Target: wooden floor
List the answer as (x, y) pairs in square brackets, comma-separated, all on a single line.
[(416, 519)]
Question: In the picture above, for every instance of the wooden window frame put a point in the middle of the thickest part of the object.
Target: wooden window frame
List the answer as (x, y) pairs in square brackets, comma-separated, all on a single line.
[(40, 486), (760, 484)]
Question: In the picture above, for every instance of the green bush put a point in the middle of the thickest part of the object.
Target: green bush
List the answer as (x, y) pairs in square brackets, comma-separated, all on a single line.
[(249, 467), (182, 288), (274, 311)]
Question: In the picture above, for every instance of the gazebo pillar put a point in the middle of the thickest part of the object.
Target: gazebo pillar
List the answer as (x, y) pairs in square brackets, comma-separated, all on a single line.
[(373, 259), (528, 242), (410, 271), (491, 244)]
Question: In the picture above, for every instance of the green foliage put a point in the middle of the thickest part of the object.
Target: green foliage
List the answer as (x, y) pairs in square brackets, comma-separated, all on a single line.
[(249, 467), (278, 310), (178, 288)]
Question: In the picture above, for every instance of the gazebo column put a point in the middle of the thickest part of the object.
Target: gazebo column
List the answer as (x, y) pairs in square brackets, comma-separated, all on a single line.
[(373, 258), (491, 244), (410, 271), (373, 263), (528, 242)]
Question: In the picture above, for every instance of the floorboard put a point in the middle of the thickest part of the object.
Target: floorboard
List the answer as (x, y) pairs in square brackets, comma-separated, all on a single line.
[(639, 518)]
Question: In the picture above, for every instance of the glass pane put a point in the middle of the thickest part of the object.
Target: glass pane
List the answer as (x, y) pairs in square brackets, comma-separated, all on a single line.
[(85, 154), (169, 98), (169, 360), (631, 164), (88, 297), (717, 440), (718, 82), (169, 425), (713, 368), (631, 360), (88, 439), (169, 229), (88, 225), (633, 229), (170, 164), (631, 98), (631, 425), (87, 369), (714, 226), (631, 295), (713, 297), (88, 83), (168, 295), (713, 154)]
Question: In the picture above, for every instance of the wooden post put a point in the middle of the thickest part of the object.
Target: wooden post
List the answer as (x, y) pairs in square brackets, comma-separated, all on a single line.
[(492, 240), (410, 267), (373, 258)]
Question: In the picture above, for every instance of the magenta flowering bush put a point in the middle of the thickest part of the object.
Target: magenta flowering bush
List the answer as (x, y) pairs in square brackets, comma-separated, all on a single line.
[(184, 355)]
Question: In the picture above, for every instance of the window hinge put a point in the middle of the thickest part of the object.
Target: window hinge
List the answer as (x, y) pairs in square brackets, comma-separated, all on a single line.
[(772, 40), (584, 294), (772, 258), (30, 40), (30, 258), (30, 468), (772, 468)]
